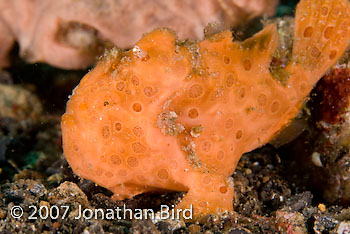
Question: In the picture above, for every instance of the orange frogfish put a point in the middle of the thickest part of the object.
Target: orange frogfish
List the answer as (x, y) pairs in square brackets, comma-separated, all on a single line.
[(171, 115)]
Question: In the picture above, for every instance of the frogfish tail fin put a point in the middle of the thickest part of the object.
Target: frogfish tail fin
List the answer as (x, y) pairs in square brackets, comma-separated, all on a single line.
[(321, 36)]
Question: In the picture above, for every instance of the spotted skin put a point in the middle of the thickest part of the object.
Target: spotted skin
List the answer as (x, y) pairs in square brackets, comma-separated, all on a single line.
[(169, 115)]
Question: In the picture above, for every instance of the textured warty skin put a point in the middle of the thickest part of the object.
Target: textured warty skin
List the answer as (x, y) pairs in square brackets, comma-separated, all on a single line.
[(168, 115)]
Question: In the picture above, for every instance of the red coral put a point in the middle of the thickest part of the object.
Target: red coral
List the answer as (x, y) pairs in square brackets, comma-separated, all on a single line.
[(333, 96)]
